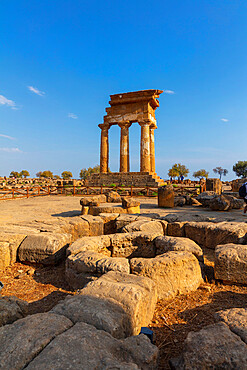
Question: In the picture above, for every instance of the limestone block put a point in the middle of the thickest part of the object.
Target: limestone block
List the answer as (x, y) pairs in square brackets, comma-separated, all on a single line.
[(103, 314), (176, 229), (231, 263), (130, 203), (14, 241), (136, 294), (179, 201), (210, 234), (83, 346), (145, 226), (133, 244), (236, 319), (84, 210), (109, 220), (166, 196), (88, 200), (213, 347), (76, 227), (113, 264), (46, 248), (99, 244), (165, 244), (133, 210), (4, 255), (23, 340), (124, 220), (113, 197), (173, 272), (214, 185), (220, 203), (12, 309), (95, 211), (205, 197), (96, 225)]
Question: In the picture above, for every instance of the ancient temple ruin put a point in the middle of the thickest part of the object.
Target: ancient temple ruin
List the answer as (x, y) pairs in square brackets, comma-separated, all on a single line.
[(125, 109)]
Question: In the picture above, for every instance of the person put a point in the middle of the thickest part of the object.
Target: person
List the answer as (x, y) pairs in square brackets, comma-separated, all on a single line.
[(243, 194)]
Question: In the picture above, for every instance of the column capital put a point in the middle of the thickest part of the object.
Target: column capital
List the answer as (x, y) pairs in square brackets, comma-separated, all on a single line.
[(145, 122), (124, 124), (104, 126), (153, 126)]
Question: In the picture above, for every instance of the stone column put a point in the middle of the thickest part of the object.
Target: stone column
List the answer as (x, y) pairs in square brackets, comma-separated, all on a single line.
[(104, 148), (124, 146), (145, 146), (152, 148)]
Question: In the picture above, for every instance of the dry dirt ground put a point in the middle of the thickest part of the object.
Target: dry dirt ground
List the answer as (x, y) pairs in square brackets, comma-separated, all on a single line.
[(43, 287)]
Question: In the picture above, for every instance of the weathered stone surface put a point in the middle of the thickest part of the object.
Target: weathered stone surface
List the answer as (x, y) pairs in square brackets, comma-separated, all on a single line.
[(14, 241), (231, 263), (136, 294), (145, 226), (214, 185), (165, 244), (136, 244), (46, 248), (236, 319), (133, 210), (99, 244), (166, 196), (179, 201), (85, 347), (124, 220), (220, 203), (176, 229), (21, 341), (103, 314), (11, 309), (173, 272), (4, 255), (205, 197), (109, 220), (194, 202), (113, 264), (107, 208), (113, 197), (213, 347), (96, 225), (130, 202), (210, 234), (89, 200), (235, 202)]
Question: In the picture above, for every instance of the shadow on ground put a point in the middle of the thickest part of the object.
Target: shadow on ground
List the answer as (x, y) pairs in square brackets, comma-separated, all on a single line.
[(47, 303), (67, 214)]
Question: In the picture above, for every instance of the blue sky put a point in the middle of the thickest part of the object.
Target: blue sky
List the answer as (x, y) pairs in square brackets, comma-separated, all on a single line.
[(60, 61)]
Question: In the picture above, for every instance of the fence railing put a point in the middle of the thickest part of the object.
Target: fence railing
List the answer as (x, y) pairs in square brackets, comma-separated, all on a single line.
[(137, 191)]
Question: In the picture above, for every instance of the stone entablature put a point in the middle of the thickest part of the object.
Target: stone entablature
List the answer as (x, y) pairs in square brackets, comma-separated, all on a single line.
[(125, 109)]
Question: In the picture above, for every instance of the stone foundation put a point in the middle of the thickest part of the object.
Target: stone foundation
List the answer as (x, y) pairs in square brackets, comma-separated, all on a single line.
[(125, 178)]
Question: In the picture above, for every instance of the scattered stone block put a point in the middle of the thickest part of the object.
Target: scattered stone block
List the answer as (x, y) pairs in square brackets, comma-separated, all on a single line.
[(14, 241), (86, 347), (96, 225), (165, 244), (179, 201), (103, 314), (145, 226), (46, 248), (12, 309), (205, 197), (236, 319), (124, 220), (109, 220), (136, 294), (23, 340), (220, 203), (166, 196), (213, 347), (99, 244), (96, 211), (173, 272), (176, 229), (92, 200), (231, 263), (4, 255), (113, 197), (214, 185)]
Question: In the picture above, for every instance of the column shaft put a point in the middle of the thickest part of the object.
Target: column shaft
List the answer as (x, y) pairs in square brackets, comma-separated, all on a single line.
[(145, 147), (124, 147), (152, 149), (104, 149)]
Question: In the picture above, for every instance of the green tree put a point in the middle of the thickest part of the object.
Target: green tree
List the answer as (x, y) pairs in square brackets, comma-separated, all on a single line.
[(56, 177), (221, 171), (173, 173), (240, 168), (66, 175), (14, 174), (38, 174), (200, 174), (47, 174), (181, 169), (24, 173), (86, 172)]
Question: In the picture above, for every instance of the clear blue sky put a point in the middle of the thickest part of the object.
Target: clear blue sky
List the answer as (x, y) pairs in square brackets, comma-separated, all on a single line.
[(60, 61)]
